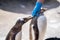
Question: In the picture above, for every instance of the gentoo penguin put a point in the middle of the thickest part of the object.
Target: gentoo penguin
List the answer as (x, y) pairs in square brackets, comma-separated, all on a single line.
[(38, 26), (17, 28)]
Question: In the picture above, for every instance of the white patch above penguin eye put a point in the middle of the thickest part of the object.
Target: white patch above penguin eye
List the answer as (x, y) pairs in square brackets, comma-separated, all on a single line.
[(21, 19)]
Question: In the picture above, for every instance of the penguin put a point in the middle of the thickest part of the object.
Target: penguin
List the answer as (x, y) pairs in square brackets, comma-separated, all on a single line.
[(17, 28), (38, 26)]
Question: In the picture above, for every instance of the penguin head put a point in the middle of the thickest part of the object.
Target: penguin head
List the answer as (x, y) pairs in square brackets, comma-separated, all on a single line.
[(43, 10), (27, 19)]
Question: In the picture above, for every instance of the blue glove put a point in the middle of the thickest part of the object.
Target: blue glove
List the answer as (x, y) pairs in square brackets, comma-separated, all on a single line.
[(36, 9)]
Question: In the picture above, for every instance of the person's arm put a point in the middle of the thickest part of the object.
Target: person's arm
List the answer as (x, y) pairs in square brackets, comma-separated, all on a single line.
[(37, 8), (42, 1)]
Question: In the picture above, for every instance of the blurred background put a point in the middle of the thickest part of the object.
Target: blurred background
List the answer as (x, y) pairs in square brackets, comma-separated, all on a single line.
[(10, 10)]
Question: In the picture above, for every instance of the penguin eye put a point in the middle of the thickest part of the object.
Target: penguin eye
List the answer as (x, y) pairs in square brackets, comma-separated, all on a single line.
[(24, 18)]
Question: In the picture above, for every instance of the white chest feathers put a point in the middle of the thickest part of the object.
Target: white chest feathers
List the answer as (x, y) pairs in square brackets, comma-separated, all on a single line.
[(41, 22)]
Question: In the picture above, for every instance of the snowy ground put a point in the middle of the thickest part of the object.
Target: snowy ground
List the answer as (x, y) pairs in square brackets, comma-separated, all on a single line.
[(11, 11)]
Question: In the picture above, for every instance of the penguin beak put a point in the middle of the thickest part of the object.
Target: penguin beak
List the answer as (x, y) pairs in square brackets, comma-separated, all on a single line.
[(27, 19)]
